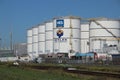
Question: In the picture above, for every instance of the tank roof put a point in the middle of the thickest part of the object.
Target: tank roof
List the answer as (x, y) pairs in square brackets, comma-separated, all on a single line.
[(103, 19), (48, 21), (85, 23), (29, 29), (36, 26), (41, 24), (67, 17)]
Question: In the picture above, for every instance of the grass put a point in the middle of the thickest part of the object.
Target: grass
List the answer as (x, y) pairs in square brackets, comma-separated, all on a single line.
[(16, 73), (25, 73), (103, 68)]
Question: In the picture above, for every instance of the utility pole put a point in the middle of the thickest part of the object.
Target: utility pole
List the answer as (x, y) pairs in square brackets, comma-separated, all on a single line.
[(11, 43), (0, 43)]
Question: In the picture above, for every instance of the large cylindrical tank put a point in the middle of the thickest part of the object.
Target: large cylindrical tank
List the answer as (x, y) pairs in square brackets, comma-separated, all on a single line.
[(66, 34), (102, 35), (35, 40), (41, 44), (49, 37), (84, 39), (29, 36), (29, 42)]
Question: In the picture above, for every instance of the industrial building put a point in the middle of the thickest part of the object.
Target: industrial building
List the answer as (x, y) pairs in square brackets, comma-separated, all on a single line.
[(70, 34), (20, 49)]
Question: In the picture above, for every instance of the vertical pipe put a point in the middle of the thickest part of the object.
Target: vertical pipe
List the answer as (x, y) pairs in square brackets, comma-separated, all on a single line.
[(80, 39), (89, 37), (71, 35), (53, 37)]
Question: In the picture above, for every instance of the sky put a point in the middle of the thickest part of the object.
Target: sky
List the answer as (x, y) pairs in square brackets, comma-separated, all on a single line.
[(17, 16)]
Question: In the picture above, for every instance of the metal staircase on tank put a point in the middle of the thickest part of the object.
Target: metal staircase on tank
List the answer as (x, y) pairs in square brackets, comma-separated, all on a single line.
[(103, 27), (106, 30)]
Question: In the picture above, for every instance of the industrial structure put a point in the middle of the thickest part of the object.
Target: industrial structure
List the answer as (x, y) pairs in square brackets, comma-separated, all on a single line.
[(70, 34), (20, 49)]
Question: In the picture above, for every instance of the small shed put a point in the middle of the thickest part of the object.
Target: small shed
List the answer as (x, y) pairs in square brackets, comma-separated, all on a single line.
[(89, 56), (80, 56)]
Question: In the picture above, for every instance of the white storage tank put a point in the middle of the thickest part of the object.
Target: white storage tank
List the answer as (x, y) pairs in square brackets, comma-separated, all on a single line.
[(29, 41), (102, 35), (35, 40), (49, 37), (29, 36), (66, 34), (41, 44), (84, 39)]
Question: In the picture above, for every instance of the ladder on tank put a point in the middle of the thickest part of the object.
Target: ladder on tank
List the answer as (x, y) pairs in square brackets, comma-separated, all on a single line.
[(71, 36)]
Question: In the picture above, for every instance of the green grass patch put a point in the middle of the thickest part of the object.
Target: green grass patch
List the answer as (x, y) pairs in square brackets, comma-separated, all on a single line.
[(25, 72), (103, 68), (17, 73)]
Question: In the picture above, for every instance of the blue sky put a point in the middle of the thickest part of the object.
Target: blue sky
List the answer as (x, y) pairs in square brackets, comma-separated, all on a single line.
[(19, 15)]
